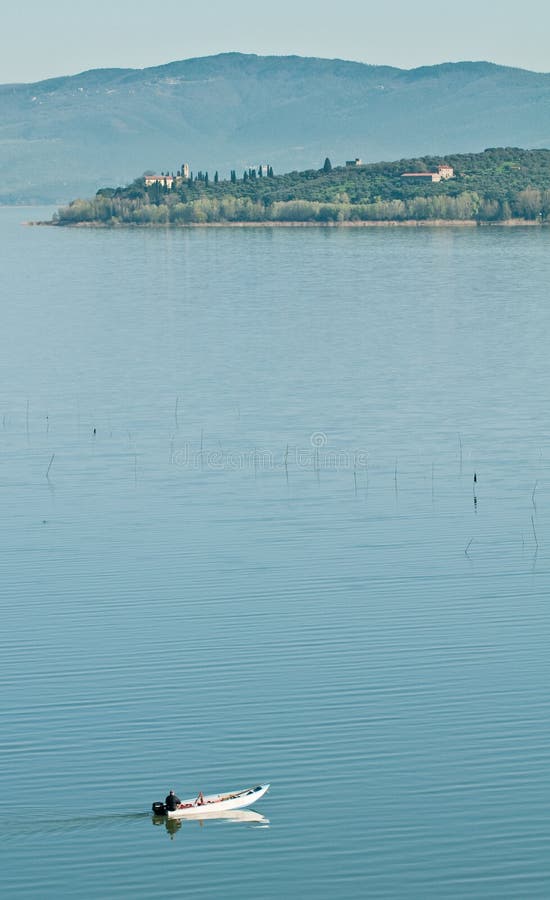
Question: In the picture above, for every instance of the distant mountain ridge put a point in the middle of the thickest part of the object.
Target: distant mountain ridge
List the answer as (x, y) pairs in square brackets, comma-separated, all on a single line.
[(68, 136)]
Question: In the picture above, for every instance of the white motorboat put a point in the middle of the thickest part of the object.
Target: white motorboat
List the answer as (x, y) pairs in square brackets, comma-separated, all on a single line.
[(212, 803)]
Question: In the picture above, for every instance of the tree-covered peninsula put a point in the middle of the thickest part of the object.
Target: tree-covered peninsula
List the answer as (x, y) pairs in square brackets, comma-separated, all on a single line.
[(498, 185)]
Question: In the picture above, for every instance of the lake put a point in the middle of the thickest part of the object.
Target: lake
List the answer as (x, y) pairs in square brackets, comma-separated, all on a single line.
[(275, 507)]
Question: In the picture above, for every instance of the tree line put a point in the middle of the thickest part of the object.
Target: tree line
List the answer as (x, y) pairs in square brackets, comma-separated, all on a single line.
[(528, 204)]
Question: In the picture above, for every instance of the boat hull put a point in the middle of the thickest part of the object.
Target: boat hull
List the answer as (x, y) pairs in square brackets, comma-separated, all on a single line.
[(216, 803)]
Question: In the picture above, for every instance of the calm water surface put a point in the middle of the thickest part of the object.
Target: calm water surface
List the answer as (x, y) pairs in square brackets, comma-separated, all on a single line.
[(240, 541)]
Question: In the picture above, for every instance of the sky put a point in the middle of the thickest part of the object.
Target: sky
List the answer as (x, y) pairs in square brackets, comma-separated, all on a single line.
[(45, 38)]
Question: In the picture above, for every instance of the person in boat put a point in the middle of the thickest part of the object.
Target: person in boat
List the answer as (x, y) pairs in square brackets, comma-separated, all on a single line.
[(200, 799), (172, 802)]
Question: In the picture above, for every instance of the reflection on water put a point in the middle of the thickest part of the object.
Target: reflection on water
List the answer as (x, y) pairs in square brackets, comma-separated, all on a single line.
[(235, 816)]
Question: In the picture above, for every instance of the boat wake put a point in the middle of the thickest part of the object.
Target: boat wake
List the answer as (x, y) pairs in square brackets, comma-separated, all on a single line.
[(41, 824)]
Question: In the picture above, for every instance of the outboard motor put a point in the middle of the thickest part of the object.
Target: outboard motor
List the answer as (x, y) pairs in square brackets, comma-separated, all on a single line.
[(159, 809)]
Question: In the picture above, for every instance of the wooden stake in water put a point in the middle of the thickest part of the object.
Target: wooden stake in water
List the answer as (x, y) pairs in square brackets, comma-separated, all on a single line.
[(534, 532), (50, 465)]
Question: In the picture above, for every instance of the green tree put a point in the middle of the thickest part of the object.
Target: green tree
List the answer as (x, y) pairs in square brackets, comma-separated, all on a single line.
[(327, 166), (505, 210), (529, 203)]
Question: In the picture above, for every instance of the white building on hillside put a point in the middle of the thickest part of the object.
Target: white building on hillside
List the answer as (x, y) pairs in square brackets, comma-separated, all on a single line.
[(443, 173)]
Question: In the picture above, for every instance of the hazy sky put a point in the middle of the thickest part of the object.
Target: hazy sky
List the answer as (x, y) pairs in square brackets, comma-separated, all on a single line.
[(39, 39)]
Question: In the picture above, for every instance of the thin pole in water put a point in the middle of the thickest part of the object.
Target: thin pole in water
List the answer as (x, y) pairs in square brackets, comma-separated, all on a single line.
[(534, 532), (50, 465)]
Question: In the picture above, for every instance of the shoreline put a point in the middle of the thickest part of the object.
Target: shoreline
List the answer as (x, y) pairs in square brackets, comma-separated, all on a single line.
[(369, 223)]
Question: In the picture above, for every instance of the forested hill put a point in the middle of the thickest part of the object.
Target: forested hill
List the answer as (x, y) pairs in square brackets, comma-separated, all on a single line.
[(495, 185), (66, 137)]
